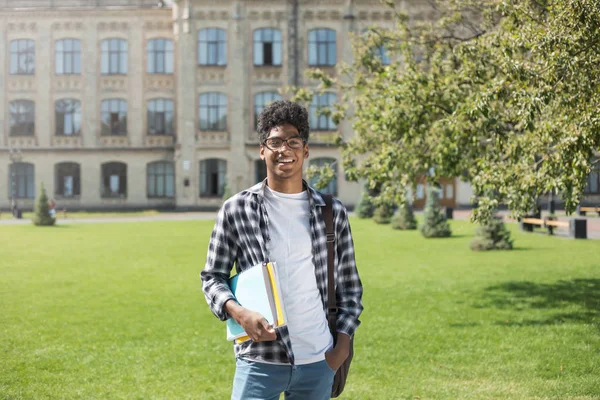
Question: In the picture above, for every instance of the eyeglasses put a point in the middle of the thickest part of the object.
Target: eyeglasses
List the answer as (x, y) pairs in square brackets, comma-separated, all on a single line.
[(277, 143)]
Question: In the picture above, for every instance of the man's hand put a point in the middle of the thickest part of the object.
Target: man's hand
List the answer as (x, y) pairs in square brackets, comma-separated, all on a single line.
[(336, 356), (255, 325)]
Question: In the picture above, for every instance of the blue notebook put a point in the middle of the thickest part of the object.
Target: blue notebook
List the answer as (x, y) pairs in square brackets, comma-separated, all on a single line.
[(257, 289)]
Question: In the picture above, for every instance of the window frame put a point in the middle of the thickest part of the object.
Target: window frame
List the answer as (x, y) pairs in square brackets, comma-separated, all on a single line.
[(21, 116), (122, 117), (160, 176), (105, 192), (594, 173), (263, 37), (59, 187), (21, 55), (260, 103), (214, 41), (316, 45), (214, 108), (27, 171), (107, 55), (168, 127), (316, 119), (64, 55), (155, 54), (206, 177), (76, 116)]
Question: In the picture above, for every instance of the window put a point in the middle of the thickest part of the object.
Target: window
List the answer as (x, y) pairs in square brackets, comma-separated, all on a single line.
[(593, 180), (114, 57), (212, 47), (321, 47), (68, 117), (160, 179), (21, 178), (67, 179), (260, 170), (318, 121), (261, 100), (114, 117), (22, 118), (67, 57), (267, 46), (114, 180), (22, 57), (420, 191), (321, 162), (212, 177), (160, 117), (213, 111), (383, 55), (160, 56)]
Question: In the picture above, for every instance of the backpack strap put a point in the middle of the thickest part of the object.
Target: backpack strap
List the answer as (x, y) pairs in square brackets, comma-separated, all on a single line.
[(331, 303)]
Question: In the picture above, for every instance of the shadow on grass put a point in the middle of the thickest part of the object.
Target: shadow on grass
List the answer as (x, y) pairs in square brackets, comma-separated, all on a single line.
[(519, 296)]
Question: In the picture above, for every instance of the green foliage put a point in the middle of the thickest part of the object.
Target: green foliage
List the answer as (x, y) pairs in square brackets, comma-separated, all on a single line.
[(502, 94), (404, 217), (383, 214), (435, 224), (492, 235), (41, 215), (365, 207)]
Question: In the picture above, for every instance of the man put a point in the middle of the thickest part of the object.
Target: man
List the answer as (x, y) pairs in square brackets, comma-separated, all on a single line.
[(280, 220)]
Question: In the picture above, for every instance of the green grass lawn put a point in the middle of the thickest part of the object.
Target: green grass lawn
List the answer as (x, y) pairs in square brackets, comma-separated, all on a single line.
[(115, 311), (60, 214)]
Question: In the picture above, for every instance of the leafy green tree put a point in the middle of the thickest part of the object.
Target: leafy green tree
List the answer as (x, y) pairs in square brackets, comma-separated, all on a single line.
[(42, 215), (504, 94), (434, 221), (404, 218), (492, 235)]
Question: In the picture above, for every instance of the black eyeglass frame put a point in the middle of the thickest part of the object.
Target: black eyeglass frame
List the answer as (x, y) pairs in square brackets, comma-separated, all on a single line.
[(264, 143)]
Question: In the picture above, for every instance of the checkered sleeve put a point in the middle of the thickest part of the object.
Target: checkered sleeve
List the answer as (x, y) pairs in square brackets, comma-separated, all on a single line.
[(349, 287), (222, 253)]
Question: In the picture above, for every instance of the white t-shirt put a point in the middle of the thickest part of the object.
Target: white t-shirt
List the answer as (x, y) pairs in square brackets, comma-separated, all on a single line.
[(291, 248)]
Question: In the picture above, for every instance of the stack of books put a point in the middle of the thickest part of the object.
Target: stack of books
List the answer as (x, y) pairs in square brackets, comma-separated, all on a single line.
[(257, 289)]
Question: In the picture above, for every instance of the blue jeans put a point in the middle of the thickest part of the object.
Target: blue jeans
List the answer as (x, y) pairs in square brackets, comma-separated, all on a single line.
[(260, 381)]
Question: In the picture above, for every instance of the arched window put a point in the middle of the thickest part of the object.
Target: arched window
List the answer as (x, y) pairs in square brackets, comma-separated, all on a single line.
[(160, 179), (267, 46), (332, 187), (160, 117), (213, 173), (159, 54), (322, 49), (22, 180), (22, 57), (319, 121), (114, 117), (67, 56), (68, 117), (114, 180), (114, 57), (67, 181), (213, 111), (261, 100), (22, 118), (212, 46)]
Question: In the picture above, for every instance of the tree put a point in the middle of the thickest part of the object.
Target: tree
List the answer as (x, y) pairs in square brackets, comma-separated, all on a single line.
[(503, 94), (404, 217), (383, 214), (492, 235), (42, 215), (365, 207), (434, 222)]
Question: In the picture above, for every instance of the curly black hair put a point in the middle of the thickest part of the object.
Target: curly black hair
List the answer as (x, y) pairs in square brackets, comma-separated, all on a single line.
[(282, 112)]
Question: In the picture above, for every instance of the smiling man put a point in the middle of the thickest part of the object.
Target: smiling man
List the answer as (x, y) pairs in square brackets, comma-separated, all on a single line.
[(281, 220)]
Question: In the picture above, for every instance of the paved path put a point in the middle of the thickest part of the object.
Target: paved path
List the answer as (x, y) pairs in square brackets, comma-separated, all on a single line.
[(593, 223)]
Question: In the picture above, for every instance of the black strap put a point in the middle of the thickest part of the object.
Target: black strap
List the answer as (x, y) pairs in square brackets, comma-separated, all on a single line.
[(331, 303)]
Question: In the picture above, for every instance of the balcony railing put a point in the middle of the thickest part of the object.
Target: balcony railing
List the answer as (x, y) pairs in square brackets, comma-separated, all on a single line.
[(16, 4)]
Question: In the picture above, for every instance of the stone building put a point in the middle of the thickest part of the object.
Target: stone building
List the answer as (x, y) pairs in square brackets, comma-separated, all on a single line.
[(152, 104)]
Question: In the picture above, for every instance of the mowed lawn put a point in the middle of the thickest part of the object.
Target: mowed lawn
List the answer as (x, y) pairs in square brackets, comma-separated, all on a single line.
[(115, 311)]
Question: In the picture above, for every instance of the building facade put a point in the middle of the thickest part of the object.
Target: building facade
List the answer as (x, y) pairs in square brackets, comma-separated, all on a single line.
[(153, 104)]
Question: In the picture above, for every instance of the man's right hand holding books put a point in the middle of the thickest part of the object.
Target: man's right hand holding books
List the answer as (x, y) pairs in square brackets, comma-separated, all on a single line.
[(255, 325)]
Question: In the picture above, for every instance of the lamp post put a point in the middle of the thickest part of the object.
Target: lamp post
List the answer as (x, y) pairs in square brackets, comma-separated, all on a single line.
[(15, 156)]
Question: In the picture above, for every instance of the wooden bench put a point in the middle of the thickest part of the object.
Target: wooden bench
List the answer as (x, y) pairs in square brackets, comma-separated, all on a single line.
[(577, 227), (582, 210)]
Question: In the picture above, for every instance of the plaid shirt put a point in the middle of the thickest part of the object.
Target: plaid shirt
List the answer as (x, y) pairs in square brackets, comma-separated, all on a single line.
[(240, 235)]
